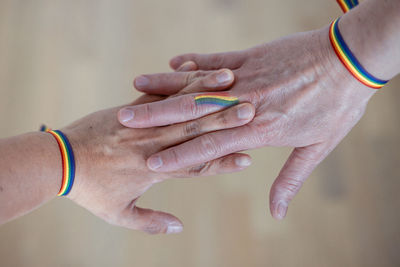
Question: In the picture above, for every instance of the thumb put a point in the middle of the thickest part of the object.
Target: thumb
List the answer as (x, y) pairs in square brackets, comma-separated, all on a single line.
[(150, 221), (296, 170)]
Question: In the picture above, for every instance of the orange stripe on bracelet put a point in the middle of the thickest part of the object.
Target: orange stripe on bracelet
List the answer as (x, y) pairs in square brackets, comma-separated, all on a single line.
[(68, 160), (349, 60)]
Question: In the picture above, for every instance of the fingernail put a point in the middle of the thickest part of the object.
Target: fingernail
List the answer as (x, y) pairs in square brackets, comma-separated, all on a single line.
[(245, 112), (155, 162), (176, 62), (224, 77), (186, 66), (126, 114), (243, 161), (281, 210), (174, 229), (141, 81)]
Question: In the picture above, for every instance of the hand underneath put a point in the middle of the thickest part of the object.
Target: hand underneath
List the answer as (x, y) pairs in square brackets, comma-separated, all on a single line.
[(304, 98), (111, 163)]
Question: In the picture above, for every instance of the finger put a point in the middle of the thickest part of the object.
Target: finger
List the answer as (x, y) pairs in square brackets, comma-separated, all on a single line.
[(187, 66), (229, 60), (173, 82), (232, 117), (150, 221), (231, 163), (175, 110), (215, 81), (141, 100), (297, 168), (202, 149), (146, 99)]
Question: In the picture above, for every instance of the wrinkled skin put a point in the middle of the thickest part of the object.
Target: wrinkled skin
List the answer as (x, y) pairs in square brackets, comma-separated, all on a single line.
[(304, 98), (111, 163)]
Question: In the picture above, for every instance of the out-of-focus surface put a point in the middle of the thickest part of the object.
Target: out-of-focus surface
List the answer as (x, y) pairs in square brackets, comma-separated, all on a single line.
[(60, 60)]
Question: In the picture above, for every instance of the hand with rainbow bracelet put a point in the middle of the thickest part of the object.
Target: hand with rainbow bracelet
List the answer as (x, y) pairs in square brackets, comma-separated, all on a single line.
[(101, 165), (309, 90)]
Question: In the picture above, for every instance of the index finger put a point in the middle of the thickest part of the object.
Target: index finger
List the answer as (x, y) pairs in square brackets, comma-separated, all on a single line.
[(231, 60), (203, 148), (173, 82), (174, 110)]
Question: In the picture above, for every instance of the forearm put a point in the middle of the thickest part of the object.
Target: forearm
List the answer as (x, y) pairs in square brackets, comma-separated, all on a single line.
[(372, 33), (30, 173)]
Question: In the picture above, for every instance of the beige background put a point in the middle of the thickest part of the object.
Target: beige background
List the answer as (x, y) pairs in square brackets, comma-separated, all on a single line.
[(60, 60)]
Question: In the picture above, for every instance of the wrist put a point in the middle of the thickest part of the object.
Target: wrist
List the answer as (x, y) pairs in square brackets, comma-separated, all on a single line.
[(30, 167), (371, 33), (79, 162), (51, 159), (338, 76)]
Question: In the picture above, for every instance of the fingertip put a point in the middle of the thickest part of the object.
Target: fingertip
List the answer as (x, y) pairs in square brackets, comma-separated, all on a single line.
[(125, 115), (246, 111), (141, 82), (225, 77), (162, 223), (243, 161), (174, 227), (279, 209), (175, 62), (154, 162), (219, 79), (187, 66)]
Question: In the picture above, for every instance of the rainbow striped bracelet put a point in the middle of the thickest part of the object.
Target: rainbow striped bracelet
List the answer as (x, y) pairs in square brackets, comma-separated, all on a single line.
[(346, 56), (346, 5), (349, 60), (68, 160)]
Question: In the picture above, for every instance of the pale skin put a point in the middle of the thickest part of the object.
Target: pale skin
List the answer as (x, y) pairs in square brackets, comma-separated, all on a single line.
[(111, 171), (304, 96)]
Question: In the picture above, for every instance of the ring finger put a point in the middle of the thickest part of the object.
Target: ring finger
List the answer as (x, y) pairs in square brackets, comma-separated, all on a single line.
[(229, 118)]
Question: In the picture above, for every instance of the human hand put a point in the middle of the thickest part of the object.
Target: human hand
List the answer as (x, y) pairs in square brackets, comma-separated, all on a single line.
[(304, 98), (111, 169)]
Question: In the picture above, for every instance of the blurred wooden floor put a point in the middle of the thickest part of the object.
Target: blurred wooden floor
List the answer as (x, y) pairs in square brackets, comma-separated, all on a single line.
[(60, 60)]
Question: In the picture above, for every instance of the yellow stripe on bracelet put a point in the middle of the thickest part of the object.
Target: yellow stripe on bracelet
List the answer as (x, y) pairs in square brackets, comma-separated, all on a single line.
[(349, 60), (346, 5), (68, 160), (346, 56)]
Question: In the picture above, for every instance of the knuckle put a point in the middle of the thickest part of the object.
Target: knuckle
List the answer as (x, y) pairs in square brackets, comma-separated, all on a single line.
[(257, 96), (204, 82), (267, 134), (148, 112), (290, 186), (193, 76), (200, 169), (188, 106), (208, 146), (189, 78), (174, 157), (192, 128), (310, 156), (258, 135), (222, 119)]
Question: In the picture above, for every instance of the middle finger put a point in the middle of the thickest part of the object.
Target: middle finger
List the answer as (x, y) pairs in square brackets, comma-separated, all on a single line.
[(232, 117)]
